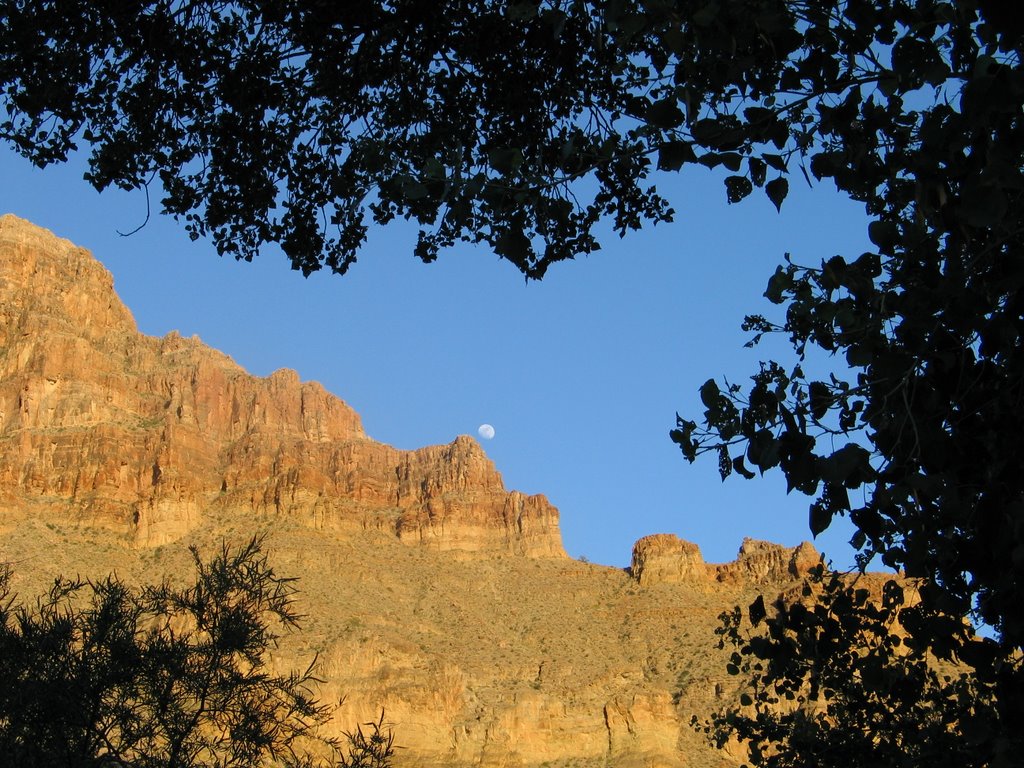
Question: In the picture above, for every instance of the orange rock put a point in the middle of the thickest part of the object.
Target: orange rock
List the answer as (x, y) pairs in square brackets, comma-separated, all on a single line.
[(664, 558), (430, 591), (147, 435)]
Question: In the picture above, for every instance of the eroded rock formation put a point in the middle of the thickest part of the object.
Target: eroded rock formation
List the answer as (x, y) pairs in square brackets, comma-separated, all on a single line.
[(149, 435), (429, 590), (666, 559)]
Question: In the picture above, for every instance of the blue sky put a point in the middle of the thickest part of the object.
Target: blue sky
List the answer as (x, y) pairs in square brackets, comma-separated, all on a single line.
[(581, 374)]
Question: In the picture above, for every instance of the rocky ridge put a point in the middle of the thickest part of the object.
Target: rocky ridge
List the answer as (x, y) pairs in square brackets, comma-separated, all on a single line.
[(430, 590), (666, 559), (146, 436)]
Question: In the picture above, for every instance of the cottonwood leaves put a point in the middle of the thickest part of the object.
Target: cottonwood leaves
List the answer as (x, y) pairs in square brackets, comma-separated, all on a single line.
[(869, 694), (516, 125), (900, 407)]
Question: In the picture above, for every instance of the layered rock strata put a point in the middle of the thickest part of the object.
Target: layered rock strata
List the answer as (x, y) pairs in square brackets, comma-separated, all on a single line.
[(151, 435), (428, 590)]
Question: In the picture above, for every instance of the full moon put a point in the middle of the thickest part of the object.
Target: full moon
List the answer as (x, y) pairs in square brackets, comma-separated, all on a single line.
[(486, 431)]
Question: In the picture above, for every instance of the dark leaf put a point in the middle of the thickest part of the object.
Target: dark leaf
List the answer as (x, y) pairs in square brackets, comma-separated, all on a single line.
[(737, 188), (673, 155), (664, 114), (778, 285), (892, 594), (758, 171), (514, 246), (757, 611), (710, 394), (820, 517), (884, 234), (763, 450), (775, 161), (731, 160), (849, 466), (777, 189), (820, 399), (505, 160), (724, 462), (740, 468)]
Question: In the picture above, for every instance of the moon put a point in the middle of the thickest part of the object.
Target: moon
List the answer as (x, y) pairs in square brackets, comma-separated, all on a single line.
[(486, 431)]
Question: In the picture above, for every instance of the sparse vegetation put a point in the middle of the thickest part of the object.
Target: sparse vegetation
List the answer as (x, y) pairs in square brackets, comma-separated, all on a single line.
[(101, 673), (372, 748)]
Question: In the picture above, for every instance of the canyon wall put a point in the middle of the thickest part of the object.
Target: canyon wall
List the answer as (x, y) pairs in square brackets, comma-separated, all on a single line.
[(148, 435), (429, 591)]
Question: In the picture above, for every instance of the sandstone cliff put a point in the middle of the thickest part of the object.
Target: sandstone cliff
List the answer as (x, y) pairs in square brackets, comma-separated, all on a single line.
[(430, 591), (149, 435)]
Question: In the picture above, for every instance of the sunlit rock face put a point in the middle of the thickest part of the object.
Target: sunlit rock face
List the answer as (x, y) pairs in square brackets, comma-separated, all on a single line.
[(762, 562), (149, 435), (428, 591), (666, 559)]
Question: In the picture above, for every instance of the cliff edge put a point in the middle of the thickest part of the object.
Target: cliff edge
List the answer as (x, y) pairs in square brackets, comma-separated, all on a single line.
[(111, 428)]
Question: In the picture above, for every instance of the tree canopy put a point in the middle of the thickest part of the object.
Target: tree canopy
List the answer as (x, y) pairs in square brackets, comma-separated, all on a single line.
[(518, 124), (523, 125), (919, 432), (916, 436)]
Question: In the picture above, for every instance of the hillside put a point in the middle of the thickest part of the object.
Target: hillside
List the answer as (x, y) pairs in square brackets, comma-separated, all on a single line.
[(430, 590)]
